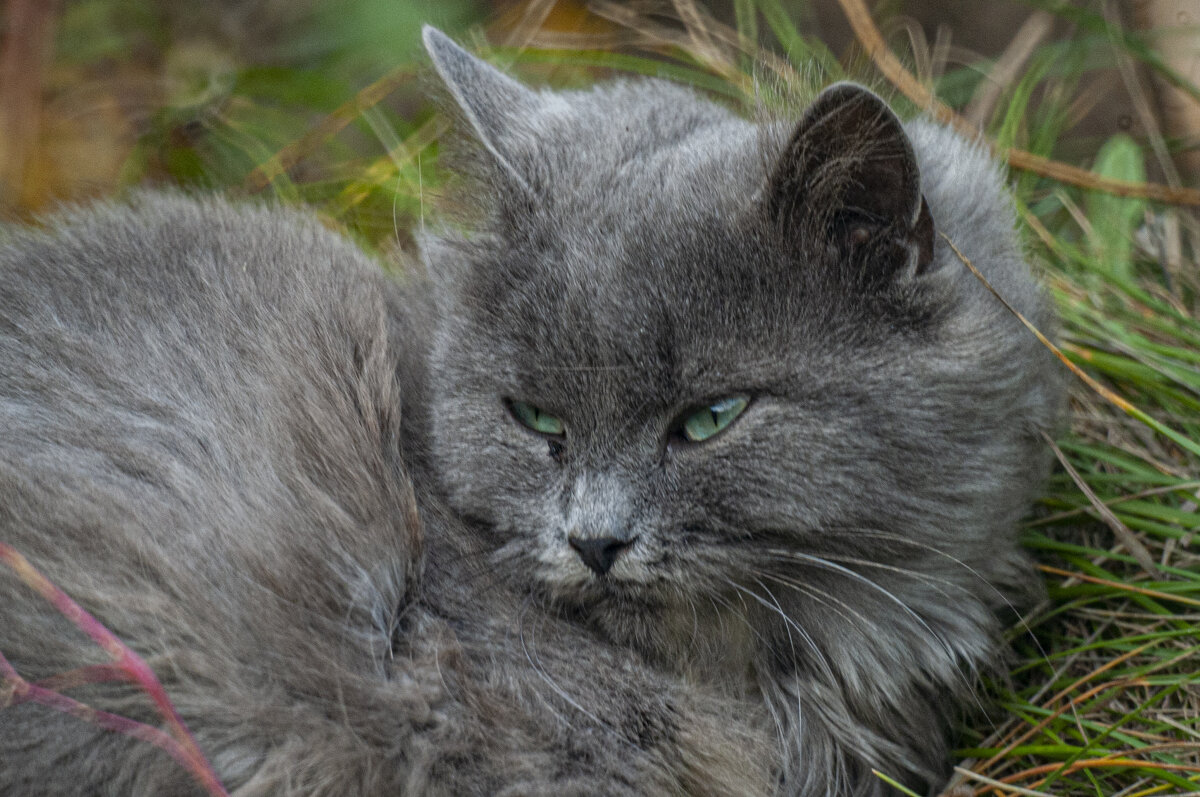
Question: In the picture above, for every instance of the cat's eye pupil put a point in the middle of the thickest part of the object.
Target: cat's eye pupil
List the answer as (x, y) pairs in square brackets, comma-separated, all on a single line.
[(703, 423), (536, 418)]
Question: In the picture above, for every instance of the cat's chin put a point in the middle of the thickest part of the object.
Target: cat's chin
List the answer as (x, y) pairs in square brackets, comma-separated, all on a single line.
[(685, 634), (602, 594), (623, 610)]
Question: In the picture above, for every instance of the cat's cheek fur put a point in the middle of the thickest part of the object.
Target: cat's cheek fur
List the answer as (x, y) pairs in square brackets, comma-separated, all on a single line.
[(516, 492)]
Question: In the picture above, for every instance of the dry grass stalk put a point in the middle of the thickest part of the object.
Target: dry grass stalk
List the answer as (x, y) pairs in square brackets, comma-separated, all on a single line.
[(1176, 24), (886, 61), (1008, 66)]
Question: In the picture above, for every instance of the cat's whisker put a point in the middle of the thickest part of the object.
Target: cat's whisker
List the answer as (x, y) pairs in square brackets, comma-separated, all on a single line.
[(789, 624), (531, 657), (828, 599), (825, 598), (821, 562), (528, 647), (968, 679), (787, 736), (988, 585), (791, 643), (928, 579), (780, 720), (691, 604), (920, 545), (634, 416), (718, 600), (487, 568), (555, 369)]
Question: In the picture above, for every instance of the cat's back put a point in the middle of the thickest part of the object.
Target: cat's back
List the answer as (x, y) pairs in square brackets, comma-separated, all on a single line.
[(172, 354)]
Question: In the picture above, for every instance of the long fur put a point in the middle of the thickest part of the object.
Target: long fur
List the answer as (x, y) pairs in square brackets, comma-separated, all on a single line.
[(843, 551)]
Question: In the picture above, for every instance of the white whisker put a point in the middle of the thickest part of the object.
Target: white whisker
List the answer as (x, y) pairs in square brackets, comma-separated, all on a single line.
[(822, 662), (545, 677)]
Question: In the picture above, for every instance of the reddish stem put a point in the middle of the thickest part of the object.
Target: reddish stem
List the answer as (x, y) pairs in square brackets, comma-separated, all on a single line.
[(183, 745), (22, 691), (82, 676)]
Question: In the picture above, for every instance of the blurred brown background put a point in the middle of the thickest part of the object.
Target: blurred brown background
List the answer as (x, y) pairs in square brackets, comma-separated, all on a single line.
[(98, 94)]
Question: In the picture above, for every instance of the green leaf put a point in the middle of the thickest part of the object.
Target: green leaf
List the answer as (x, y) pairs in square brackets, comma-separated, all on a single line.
[(1114, 219)]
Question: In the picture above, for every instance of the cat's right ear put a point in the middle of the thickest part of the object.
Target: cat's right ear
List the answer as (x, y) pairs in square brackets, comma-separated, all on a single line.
[(848, 178), (498, 108)]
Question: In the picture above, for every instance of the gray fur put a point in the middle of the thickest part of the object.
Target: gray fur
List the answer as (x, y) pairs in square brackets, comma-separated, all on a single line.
[(295, 487)]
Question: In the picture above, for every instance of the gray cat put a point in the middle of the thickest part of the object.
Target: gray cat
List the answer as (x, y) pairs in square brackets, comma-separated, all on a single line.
[(694, 467)]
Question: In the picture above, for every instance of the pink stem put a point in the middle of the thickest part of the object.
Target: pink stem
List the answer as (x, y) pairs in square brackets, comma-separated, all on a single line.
[(24, 692), (125, 660), (92, 674)]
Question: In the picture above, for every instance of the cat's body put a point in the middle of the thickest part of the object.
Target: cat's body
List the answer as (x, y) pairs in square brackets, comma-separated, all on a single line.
[(307, 497)]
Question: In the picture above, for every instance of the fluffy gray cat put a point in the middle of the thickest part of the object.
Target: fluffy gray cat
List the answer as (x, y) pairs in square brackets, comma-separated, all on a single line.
[(693, 468)]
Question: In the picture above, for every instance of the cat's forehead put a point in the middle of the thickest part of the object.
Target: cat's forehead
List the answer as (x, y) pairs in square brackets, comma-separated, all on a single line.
[(663, 277), (625, 120), (648, 154), (643, 231), (667, 307)]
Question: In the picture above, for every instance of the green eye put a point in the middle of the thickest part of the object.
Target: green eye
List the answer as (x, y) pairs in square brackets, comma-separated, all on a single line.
[(536, 419), (703, 424)]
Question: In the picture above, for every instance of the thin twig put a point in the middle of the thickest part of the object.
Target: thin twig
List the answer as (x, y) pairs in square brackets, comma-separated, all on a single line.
[(19, 691), (1008, 787), (1008, 66), (1149, 593), (886, 61), (330, 125), (1010, 741), (1107, 394)]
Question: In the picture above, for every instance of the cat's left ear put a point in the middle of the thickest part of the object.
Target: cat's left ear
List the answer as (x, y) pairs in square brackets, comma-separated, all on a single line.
[(498, 108), (849, 174)]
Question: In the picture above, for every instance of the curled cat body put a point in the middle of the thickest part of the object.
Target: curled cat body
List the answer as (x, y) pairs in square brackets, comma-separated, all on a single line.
[(693, 467)]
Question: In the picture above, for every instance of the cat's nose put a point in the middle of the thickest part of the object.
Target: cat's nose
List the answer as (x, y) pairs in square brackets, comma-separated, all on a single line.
[(599, 553)]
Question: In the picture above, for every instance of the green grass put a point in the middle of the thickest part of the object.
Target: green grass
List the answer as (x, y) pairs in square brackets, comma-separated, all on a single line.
[(1102, 697)]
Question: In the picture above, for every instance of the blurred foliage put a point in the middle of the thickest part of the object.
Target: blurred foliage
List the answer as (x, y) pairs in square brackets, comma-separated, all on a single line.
[(199, 95), (1115, 220)]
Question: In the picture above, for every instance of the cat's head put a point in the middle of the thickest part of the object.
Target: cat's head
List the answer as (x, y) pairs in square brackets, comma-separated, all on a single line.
[(690, 361)]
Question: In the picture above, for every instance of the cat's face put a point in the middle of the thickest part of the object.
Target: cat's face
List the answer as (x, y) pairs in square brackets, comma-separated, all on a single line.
[(619, 411), (656, 380), (691, 362)]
